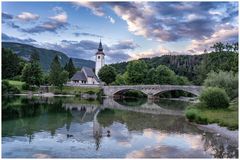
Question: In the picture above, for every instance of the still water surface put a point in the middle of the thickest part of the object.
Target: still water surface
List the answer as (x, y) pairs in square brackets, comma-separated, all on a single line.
[(71, 127)]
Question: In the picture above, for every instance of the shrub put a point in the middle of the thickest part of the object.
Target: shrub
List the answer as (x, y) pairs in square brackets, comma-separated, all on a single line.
[(8, 88), (225, 80), (215, 97), (90, 92), (25, 86), (191, 114)]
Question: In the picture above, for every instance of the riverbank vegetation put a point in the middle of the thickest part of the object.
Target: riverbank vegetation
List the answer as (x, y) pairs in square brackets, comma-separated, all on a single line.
[(227, 117), (214, 107)]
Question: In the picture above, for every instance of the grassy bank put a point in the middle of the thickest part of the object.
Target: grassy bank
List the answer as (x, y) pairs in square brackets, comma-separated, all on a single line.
[(17, 84), (75, 90), (56, 90), (224, 117)]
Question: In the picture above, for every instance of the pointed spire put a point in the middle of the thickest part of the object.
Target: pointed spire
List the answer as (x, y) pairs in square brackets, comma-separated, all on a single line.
[(100, 48)]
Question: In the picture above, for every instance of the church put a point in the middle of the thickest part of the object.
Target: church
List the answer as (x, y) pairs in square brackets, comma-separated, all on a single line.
[(86, 75)]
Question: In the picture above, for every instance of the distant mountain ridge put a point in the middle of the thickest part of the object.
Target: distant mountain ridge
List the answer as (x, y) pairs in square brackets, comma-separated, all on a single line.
[(46, 56)]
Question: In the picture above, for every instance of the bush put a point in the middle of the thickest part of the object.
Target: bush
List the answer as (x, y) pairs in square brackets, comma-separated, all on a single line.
[(226, 80), (90, 92), (215, 97), (191, 114), (25, 86), (8, 88)]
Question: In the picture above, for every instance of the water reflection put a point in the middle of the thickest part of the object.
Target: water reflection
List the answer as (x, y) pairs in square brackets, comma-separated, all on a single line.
[(71, 127)]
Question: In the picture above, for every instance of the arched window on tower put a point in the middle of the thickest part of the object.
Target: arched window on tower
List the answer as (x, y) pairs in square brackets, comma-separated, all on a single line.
[(98, 57)]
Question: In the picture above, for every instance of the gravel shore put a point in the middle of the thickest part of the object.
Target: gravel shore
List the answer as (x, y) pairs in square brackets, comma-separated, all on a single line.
[(222, 131)]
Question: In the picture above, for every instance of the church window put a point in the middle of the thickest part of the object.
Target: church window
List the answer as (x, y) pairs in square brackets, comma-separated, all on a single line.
[(98, 57)]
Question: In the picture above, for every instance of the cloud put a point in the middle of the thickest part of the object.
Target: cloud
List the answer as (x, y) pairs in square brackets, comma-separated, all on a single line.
[(77, 34), (156, 53), (6, 38), (124, 44), (27, 16), (86, 49), (224, 33), (171, 21), (111, 19), (6, 16), (57, 22), (95, 7), (61, 15)]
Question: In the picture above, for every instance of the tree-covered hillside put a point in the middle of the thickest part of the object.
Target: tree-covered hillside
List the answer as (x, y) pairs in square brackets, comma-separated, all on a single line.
[(194, 67), (46, 56)]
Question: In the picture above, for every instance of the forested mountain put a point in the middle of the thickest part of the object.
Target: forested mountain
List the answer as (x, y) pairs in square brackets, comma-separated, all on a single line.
[(194, 67), (46, 56)]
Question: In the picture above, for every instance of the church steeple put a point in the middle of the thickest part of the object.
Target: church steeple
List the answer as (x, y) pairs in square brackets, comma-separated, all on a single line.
[(100, 60), (100, 48)]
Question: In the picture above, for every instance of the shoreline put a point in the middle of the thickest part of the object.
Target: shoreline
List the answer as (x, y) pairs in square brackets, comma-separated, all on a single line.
[(220, 131)]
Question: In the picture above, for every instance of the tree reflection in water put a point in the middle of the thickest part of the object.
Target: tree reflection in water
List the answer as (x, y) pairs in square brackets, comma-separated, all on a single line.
[(26, 117)]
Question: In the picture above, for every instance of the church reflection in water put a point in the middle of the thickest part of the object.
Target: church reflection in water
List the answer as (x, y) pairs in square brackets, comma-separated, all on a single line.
[(83, 120)]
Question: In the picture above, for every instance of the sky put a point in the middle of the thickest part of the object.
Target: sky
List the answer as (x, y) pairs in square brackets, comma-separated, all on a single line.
[(128, 30)]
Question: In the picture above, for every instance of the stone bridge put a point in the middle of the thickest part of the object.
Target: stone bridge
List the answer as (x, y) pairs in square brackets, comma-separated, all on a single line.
[(151, 90)]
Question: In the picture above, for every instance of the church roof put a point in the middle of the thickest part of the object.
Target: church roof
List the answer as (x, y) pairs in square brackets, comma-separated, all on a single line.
[(79, 76), (88, 71)]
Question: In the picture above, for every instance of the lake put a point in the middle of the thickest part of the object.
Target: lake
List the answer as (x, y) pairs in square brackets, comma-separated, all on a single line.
[(125, 128)]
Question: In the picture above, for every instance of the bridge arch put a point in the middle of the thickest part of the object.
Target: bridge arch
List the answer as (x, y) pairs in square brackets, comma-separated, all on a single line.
[(124, 90), (172, 89)]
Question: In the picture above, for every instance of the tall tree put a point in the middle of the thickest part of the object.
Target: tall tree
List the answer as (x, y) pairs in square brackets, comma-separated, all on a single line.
[(165, 75), (136, 71), (70, 68), (12, 65), (107, 74), (57, 76), (151, 76), (32, 73)]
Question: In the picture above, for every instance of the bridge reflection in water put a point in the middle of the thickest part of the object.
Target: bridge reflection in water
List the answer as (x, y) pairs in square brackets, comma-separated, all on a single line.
[(89, 112), (88, 125)]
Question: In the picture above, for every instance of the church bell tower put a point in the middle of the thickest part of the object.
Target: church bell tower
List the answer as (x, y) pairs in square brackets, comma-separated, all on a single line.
[(100, 61)]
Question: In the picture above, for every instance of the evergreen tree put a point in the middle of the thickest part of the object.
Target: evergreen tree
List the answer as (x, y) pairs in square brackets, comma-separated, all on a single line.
[(32, 73), (70, 68), (12, 65), (57, 76)]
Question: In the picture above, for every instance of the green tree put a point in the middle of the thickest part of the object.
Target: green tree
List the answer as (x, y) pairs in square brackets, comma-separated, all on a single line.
[(218, 47), (12, 65), (63, 78), (121, 79), (136, 71), (57, 76), (164, 75), (215, 97), (32, 73), (225, 80), (151, 76), (107, 74), (70, 68), (181, 80)]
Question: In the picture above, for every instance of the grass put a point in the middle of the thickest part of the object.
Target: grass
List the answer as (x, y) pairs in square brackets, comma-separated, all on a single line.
[(75, 90), (65, 90), (17, 84), (224, 117)]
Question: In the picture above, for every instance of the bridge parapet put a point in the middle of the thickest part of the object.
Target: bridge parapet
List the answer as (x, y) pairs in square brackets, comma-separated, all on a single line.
[(151, 90)]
